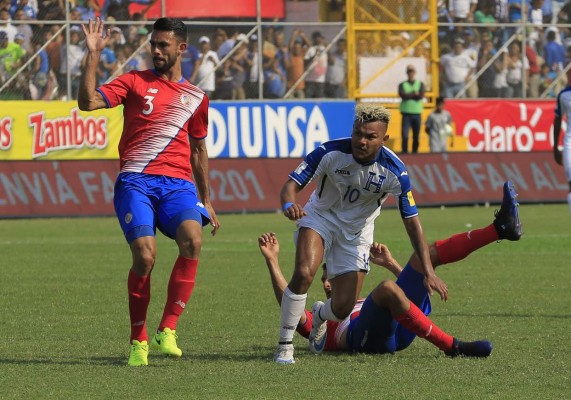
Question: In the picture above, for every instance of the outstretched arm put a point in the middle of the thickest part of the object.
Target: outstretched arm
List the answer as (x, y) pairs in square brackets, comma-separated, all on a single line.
[(270, 249), (88, 99), (416, 235)]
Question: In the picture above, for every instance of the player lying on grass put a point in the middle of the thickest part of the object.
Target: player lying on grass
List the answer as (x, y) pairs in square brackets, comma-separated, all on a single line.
[(394, 313)]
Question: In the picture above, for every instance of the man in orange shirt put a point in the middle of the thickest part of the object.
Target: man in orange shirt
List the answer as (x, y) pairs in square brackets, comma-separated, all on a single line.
[(298, 45)]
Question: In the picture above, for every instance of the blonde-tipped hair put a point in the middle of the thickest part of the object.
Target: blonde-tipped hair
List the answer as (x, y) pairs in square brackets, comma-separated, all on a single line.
[(369, 112)]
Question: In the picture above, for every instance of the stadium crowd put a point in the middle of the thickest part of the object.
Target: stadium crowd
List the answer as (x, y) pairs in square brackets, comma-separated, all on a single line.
[(471, 41)]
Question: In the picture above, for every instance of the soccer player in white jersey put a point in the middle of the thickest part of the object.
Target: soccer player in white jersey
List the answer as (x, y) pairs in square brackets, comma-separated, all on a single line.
[(394, 313), (161, 149), (563, 110), (354, 177)]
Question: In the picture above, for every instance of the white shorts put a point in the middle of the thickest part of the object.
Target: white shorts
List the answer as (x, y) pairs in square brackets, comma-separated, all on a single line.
[(340, 254)]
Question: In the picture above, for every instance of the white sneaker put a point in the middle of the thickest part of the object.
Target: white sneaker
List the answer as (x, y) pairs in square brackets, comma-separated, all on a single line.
[(318, 334), (284, 354)]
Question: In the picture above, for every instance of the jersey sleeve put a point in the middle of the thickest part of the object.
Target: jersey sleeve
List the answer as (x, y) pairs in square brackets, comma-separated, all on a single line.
[(198, 123), (115, 92), (309, 167), (406, 203)]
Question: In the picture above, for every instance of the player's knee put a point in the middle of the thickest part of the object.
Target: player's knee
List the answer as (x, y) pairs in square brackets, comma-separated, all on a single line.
[(342, 310), (385, 292), (143, 253), (143, 262), (301, 280), (191, 245), (388, 286)]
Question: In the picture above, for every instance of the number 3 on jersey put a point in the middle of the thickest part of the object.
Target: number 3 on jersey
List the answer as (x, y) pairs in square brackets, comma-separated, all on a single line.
[(149, 103)]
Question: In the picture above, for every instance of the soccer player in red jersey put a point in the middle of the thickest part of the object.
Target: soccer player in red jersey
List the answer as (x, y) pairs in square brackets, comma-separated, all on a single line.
[(395, 313), (161, 149)]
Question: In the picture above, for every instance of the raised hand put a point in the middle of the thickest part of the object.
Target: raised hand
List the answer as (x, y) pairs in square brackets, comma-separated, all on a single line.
[(94, 39), (269, 245), (380, 254)]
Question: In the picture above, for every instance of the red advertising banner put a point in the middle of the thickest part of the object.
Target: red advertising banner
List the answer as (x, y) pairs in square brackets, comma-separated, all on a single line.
[(504, 125), (470, 178), (212, 9), (85, 188)]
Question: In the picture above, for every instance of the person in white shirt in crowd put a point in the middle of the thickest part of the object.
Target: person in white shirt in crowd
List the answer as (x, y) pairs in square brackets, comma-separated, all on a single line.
[(397, 45), (206, 77), (252, 85), (471, 47), (462, 10), (6, 26), (516, 71), (315, 78), (336, 78), (74, 54), (25, 31), (501, 78), (457, 68)]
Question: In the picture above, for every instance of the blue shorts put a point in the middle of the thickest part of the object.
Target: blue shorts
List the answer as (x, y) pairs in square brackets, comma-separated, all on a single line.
[(375, 330), (145, 202)]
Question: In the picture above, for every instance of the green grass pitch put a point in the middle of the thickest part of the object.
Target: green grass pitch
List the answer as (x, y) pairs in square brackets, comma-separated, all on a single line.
[(64, 318)]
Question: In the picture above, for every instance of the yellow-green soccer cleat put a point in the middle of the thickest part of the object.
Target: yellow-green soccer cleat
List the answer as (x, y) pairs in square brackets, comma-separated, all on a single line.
[(165, 342), (139, 353)]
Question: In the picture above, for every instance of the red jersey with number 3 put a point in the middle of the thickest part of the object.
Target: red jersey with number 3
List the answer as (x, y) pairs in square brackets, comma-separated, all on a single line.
[(159, 116)]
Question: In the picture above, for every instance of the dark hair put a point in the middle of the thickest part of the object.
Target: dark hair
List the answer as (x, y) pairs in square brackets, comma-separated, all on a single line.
[(171, 25), (439, 100)]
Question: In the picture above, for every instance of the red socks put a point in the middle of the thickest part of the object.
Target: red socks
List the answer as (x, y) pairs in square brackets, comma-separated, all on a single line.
[(139, 288), (305, 329), (459, 246), (180, 288), (415, 321)]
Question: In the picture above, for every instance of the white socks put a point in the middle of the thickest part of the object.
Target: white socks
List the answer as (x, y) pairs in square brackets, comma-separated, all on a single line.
[(326, 312), (292, 309)]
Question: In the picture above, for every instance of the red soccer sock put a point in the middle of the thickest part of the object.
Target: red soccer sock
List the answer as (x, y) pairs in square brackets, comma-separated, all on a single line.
[(459, 246), (180, 288), (305, 328), (415, 321), (139, 288)]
